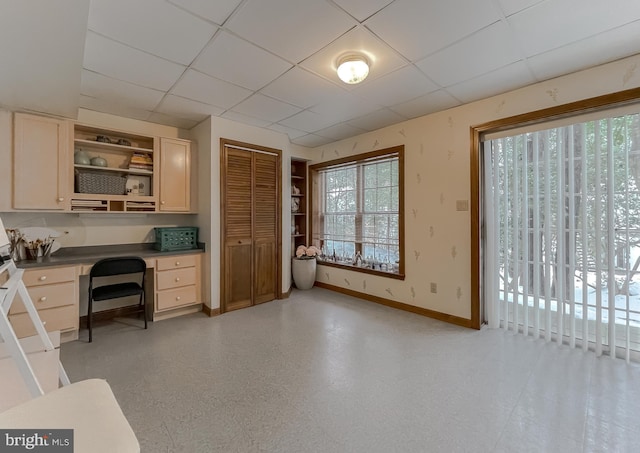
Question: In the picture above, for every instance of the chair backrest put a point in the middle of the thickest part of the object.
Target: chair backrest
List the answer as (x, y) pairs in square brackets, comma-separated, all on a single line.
[(117, 266)]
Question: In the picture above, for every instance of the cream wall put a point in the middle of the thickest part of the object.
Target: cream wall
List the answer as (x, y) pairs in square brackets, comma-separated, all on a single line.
[(437, 166), (210, 132)]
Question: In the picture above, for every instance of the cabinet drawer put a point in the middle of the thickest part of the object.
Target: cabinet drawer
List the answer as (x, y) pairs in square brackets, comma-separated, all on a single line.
[(60, 318), (47, 275), (176, 262), (47, 296), (173, 298), (176, 278)]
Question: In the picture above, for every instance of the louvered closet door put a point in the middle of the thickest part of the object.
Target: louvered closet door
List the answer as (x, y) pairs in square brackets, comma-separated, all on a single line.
[(251, 209), (238, 207), (265, 228)]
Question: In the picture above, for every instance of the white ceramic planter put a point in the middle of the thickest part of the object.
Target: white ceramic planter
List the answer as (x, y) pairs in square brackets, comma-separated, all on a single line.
[(304, 273)]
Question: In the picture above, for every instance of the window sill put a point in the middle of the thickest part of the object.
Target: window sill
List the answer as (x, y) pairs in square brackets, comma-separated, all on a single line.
[(363, 270)]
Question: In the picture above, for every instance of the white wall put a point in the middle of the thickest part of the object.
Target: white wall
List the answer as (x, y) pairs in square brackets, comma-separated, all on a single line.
[(437, 173)]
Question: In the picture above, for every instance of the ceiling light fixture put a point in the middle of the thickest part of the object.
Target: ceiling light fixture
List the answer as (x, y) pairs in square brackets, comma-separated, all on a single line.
[(353, 69)]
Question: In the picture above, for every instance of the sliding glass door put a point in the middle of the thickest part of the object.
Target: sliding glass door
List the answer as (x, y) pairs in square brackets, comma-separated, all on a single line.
[(561, 241)]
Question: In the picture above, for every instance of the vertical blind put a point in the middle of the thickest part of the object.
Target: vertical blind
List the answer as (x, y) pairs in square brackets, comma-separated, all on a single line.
[(561, 247)]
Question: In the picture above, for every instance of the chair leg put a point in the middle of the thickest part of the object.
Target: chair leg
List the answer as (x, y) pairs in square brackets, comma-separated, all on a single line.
[(89, 315), (143, 303)]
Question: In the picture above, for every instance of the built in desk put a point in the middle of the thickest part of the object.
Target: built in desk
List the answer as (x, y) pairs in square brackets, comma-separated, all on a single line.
[(58, 285)]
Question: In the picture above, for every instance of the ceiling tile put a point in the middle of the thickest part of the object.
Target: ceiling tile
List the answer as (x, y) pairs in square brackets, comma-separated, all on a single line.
[(469, 58), (182, 123), (217, 11), (293, 30), (311, 140), (362, 9), (309, 121), (116, 91), (246, 65), (41, 55), (152, 26), (292, 133), (618, 43), (377, 120), (203, 88), (382, 58), (345, 106), (186, 108), (240, 118), (419, 28), (568, 21), (399, 86), (430, 103), (301, 88), (340, 131), (112, 106), (510, 7), (116, 60), (502, 80), (265, 108)]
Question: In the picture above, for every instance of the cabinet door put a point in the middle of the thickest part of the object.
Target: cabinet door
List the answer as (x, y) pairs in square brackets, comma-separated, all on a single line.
[(175, 175), (40, 174)]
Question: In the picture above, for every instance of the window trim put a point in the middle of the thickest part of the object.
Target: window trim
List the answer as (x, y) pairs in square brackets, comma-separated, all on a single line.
[(589, 105), (371, 156)]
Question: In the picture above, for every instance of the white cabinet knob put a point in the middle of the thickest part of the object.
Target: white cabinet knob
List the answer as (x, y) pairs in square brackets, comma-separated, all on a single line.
[(177, 279), (177, 297), (42, 299), (60, 199), (43, 278), (177, 263), (162, 202)]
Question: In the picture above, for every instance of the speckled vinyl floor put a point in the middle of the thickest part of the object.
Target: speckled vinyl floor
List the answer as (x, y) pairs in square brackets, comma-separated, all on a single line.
[(322, 372)]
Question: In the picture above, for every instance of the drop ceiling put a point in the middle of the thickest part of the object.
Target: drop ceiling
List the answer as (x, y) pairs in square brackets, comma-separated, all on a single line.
[(272, 63)]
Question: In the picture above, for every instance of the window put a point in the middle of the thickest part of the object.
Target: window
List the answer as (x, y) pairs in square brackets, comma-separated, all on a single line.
[(357, 212)]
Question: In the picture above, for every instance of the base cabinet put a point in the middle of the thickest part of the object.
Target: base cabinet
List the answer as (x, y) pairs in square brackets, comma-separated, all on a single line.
[(177, 286), (54, 293)]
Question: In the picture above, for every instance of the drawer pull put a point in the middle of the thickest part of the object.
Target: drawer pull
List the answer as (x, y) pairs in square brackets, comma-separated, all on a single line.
[(177, 297), (177, 263), (43, 278), (42, 299), (177, 279), (60, 199)]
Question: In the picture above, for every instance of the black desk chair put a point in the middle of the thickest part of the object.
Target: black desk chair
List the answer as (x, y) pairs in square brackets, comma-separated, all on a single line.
[(117, 266)]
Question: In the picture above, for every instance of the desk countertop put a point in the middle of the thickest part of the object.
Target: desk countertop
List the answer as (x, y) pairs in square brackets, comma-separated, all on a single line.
[(91, 254)]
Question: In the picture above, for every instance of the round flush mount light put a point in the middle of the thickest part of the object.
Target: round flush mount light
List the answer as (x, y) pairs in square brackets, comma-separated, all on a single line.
[(353, 69)]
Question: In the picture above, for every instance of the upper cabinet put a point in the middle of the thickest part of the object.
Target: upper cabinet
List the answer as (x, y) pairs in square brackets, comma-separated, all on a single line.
[(62, 165), (175, 175), (40, 163)]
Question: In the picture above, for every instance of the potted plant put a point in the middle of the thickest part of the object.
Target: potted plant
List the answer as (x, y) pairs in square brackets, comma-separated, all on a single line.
[(303, 266)]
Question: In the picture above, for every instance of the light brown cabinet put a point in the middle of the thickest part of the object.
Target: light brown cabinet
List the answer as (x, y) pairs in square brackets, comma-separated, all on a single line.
[(54, 293), (175, 175), (125, 183), (40, 163), (178, 283)]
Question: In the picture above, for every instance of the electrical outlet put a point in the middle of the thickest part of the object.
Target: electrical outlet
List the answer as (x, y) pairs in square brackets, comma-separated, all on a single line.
[(462, 205), (434, 288)]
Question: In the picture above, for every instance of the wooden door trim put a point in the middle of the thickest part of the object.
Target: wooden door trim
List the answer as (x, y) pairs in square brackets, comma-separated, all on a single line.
[(228, 143)]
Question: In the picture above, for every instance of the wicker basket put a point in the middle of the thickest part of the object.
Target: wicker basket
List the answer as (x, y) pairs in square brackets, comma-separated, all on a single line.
[(90, 182), (176, 238)]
